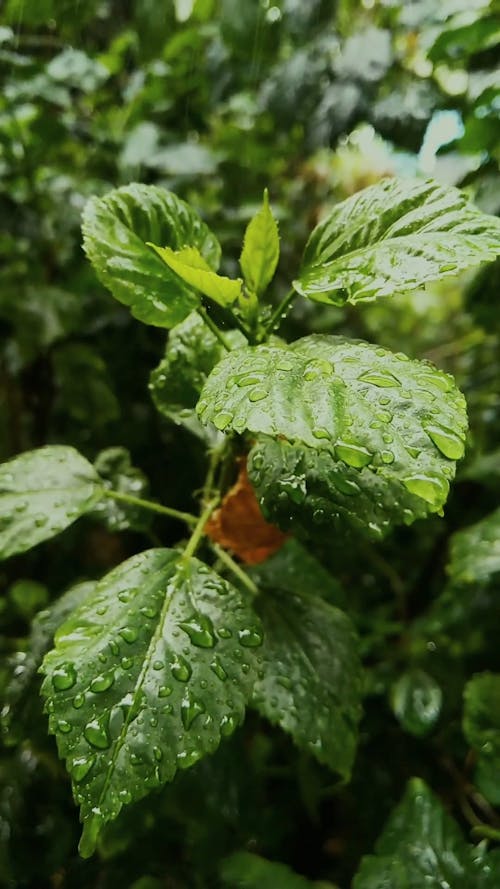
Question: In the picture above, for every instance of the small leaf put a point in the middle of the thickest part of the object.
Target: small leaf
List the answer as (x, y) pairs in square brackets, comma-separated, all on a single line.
[(416, 700), (394, 236), (114, 467), (194, 270), (146, 677), (389, 427), (191, 353), (116, 228), (475, 551), (310, 679), (41, 493), (261, 249), (422, 845), (243, 870), (481, 725)]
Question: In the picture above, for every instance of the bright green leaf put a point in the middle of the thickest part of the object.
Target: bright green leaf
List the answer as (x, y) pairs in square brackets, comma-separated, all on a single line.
[(243, 870), (416, 700), (191, 353), (310, 678), (41, 493), (394, 236), (261, 249), (115, 231), (481, 725), (194, 270), (475, 551), (383, 422), (146, 678), (422, 845), (114, 467)]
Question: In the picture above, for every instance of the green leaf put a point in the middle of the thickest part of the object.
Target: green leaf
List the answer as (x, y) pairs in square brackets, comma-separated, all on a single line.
[(115, 231), (194, 270), (41, 493), (243, 870), (191, 353), (310, 678), (146, 678), (475, 551), (416, 700), (394, 236), (392, 428), (261, 249), (295, 570), (422, 845), (481, 725), (19, 706), (114, 467)]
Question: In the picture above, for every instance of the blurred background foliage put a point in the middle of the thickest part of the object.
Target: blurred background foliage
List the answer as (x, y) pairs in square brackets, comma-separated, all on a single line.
[(217, 99)]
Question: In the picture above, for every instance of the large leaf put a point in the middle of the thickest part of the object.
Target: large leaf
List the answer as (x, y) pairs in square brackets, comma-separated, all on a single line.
[(146, 677), (481, 724), (191, 353), (375, 424), (475, 551), (261, 249), (310, 679), (394, 236), (194, 270), (421, 845), (115, 231), (41, 493), (243, 870), (19, 707)]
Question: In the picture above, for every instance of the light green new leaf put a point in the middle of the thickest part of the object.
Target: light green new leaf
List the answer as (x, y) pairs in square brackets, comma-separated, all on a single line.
[(195, 271), (475, 551), (243, 870), (41, 493), (481, 725), (394, 236), (116, 228), (22, 705), (422, 845), (310, 677), (191, 353), (399, 424), (146, 678), (261, 249)]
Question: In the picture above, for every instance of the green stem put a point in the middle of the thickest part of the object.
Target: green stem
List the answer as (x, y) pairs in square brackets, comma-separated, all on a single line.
[(215, 458), (197, 534), (235, 568), (202, 312), (484, 831), (149, 504), (279, 312)]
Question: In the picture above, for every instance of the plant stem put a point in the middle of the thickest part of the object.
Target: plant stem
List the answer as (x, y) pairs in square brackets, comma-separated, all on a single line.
[(197, 534), (202, 312), (280, 311), (149, 504), (484, 831), (235, 568)]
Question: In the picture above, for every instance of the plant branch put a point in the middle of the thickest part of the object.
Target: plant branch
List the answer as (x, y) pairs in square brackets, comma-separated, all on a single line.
[(233, 566), (197, 534), (280, 311), (151, 505)]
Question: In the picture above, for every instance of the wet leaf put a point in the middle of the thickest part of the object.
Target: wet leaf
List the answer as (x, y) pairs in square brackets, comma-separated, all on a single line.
[(261, 249)]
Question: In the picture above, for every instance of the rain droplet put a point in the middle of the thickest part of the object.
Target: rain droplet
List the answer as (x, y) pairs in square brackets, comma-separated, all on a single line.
[(158, 665), (353, 455), (78, 701), (387, 457), (222, 420), (320, 432), (164, 691), (64, 726), (346, 486), (382, 378), (247, 379), (181, 669), (64, 677), (250, 637), (81, 766), (191, 708), (96, 733), (224, 632), (257, 394), (128, 634), (127, 662), (228, 724), (200, 630), (149, 611), (446, 441), (218, 669), (432, 490), (103, 682)]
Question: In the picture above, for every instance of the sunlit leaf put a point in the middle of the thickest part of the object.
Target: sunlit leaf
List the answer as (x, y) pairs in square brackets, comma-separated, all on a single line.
[(194, 270)]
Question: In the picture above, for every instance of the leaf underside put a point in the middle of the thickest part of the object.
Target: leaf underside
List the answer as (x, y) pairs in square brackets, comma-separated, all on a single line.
[(145, 678), (366, 434), (393, 236), (115, 230)]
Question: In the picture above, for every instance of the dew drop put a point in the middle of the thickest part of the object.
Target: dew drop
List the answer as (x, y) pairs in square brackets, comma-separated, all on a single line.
[(446, 441), (320, 432), (222, 420), (127, 662), (382, 378), (181, 669), (250, 637), (218, 669), (257, 394), (158, 665), (78, 701), (149, 611), (346, 486), (96, 733), (191, 708), (64, 726), (64, 677), (432, 490), (81, 766), (200, 630), (224, 632), (247, 379), (103, 682), (228, 724), (128, 634), (164, 691), (387, 456), (353, 455)]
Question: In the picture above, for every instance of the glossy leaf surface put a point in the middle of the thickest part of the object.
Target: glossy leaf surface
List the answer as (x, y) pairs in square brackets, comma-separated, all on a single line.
[(146, 678), (481, 725), (116, 228), (394, 236), (41, 493), (416, 700), (261, 249)]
